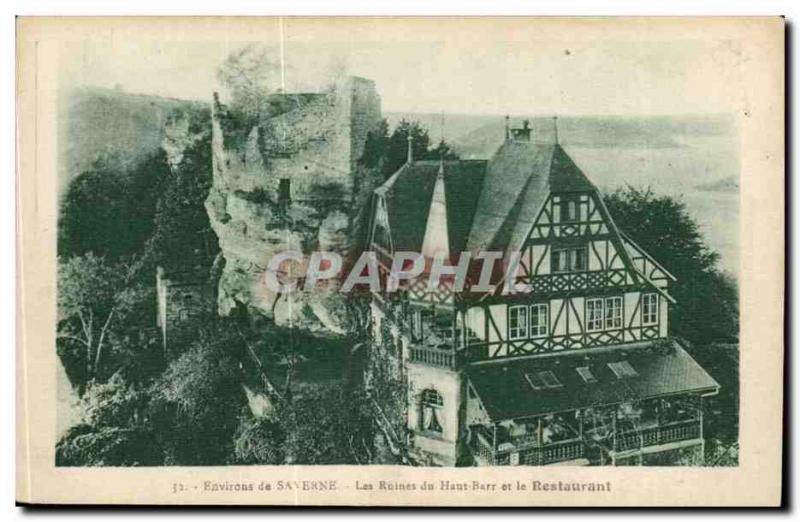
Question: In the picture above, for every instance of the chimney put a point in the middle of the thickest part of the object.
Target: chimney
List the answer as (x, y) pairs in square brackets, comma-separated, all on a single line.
[(523, 134), (410, 157)]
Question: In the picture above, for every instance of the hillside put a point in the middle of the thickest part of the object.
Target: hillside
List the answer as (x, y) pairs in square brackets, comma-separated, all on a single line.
[(112, 126), (729, 184), (478, 136)]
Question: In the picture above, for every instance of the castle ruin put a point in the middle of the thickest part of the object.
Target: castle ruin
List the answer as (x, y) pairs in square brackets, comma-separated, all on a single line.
[(291, 181)]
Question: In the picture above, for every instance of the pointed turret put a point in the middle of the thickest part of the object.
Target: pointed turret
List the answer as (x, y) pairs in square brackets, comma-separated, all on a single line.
[(436, 240)]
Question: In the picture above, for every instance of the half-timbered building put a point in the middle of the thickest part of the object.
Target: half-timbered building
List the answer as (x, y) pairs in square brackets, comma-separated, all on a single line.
[(567, 357)]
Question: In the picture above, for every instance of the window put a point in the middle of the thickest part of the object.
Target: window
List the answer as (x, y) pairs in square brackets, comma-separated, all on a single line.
[(568, 259), (422, 321), (284, 191), (586, 374), (622, 369), (613, 313), (183, 314), (569, 209), (649, 309), (542, 380), (472, 335), (594, 315), (431, 405), (517, 322), (442, 327), (550, 379), (458, 331), (539, 325)]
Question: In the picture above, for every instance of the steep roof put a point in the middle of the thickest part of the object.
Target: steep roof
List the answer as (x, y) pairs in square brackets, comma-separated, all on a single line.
[(519, 177), (506, 393), (490, 205), (409, 193)]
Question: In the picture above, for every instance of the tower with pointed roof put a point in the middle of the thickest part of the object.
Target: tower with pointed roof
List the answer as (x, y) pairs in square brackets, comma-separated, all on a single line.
[(566, 358)]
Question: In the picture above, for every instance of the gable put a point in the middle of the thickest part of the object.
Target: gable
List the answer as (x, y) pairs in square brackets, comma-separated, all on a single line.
[(520, 177), (516, 176), (408, 196), (602, 246), (646, 265)]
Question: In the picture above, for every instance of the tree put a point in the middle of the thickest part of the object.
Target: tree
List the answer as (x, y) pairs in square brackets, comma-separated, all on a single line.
[(114, 430), (182, 239), (110, 212), (95, 298), (259, 440), (326, 425), (196, 402), (707, 307), (388, 152), (249, 74)]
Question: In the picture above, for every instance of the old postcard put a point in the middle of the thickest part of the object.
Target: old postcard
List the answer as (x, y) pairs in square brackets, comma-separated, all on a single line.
[(400, 261)]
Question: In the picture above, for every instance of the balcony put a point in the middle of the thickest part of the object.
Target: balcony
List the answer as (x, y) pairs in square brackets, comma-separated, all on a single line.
[(440, 357), (524, 451), (632, 440), (570, 281), (586, 435)]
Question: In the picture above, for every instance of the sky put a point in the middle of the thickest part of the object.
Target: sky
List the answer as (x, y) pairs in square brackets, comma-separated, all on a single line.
[(428, 71), (472, 67)]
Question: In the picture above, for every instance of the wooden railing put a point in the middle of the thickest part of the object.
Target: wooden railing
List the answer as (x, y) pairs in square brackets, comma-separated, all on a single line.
[(664, 434), (528, 453), (568, 281), (435, 356), (551, 453)]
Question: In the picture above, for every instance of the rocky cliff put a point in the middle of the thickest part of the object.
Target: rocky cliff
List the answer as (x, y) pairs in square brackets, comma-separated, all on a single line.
[(119, 129), (291, 181)]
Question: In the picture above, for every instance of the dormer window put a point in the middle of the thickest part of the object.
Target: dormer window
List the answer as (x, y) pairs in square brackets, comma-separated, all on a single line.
[(586, 374), (622, 369), (542, 380)]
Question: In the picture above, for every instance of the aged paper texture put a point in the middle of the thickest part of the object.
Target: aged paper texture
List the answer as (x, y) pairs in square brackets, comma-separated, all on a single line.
[(400, 261)]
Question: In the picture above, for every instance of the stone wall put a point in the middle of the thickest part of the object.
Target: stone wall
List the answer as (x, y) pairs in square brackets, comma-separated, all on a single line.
[(315, 144), (181, 305)]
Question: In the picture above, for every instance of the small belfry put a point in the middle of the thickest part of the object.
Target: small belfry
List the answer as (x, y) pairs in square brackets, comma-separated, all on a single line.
[(555, 129), (578, 368)]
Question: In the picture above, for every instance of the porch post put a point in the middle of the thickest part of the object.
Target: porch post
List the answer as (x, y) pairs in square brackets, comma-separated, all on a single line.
[(700, 411), (614, 438), (541, 440), (494, 443)]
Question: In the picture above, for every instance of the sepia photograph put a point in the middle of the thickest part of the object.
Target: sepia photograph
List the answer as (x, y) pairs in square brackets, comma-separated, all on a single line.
[(372, 242)]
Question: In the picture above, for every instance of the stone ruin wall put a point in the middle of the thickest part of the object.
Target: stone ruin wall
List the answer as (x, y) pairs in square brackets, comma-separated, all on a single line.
[(315, 145)]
